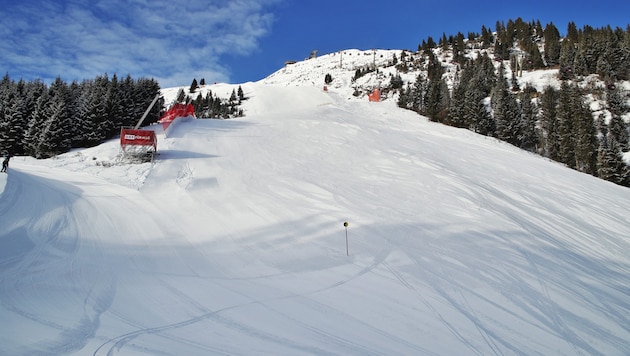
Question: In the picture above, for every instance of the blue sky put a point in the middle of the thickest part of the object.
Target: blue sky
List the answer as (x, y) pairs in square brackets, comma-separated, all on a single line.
[(237, 41)]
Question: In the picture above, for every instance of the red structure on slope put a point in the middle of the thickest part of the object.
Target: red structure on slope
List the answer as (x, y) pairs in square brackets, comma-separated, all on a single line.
[(133, 137), (375, 95), (139, 143), (177, 110)]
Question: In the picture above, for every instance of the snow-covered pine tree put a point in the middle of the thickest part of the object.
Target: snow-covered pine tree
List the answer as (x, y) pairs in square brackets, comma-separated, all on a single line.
[(36, 122), (505, 111), (529, 114), (617, 106), (15, 118), (552, 45), (610, 163), (549, 123), (56, 137), (565, 115), (585, 134)]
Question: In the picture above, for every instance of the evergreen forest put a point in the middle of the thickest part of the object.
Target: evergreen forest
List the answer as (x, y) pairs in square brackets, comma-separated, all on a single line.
[(211, 106), (42, 120), (557, 123)]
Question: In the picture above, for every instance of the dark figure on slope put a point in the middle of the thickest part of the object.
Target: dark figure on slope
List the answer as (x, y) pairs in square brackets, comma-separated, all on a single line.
[(5, 164)]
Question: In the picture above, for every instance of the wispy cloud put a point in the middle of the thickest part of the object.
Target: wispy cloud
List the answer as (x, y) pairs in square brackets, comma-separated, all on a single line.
[(170, 40)]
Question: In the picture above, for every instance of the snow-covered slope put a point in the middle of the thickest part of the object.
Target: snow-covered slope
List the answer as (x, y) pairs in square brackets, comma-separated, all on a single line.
[(233, 242)]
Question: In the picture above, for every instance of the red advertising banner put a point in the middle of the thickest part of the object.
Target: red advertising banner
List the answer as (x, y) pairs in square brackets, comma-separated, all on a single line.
[(138, 138)]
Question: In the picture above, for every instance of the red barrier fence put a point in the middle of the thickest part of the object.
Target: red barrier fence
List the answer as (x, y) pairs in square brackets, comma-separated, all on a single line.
[(177, 110)]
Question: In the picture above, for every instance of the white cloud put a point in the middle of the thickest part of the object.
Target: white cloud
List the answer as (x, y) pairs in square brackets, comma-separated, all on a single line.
[(170, 40)]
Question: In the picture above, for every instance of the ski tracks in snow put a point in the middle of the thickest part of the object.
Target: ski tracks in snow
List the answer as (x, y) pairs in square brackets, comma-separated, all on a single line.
[(51, 252)]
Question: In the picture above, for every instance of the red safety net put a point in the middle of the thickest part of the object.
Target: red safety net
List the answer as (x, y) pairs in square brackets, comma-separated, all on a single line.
[(177, 110)]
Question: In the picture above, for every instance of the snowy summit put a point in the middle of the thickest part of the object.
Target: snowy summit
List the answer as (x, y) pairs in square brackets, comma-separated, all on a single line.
[(233, 240)]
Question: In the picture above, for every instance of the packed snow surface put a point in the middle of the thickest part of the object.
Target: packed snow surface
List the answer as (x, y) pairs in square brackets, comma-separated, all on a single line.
[(233, 241)]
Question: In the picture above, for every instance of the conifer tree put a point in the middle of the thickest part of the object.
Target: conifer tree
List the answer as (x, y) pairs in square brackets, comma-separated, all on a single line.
[(604, 69), (33, 91), (529, 113), (5, 87), (82, 126), (207, 105), (617, 106), (484, 75), (486, 37), (475, 114), (444, 42), (198, 106), (549, 123), (502, 44), (193, 86), (16, 126), (437, 100), (572, 33), (457, 109), (505, 111), (149, 89), (445, 101), (567, 58), (56, 137), (241, 94), (617, 128), (514, 82), (181, 96), (96, 115), (458, 48), (579, 66), (127, 102), (418, 95), (538, 30), (483, 123), (552, 45), (610, 163), (586, 144), (566, 113), (404, 97), (39, 115), (113, 111), (328, 79), (12, 116), (535, 60)]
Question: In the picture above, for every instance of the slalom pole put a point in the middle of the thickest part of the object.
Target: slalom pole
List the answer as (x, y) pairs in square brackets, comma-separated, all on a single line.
[(345, 224)]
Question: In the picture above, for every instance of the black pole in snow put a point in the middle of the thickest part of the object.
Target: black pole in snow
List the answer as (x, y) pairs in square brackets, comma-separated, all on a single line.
[(345, 224)]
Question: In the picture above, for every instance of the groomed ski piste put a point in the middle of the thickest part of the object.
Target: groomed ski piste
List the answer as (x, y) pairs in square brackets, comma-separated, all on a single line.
[(232, 242)]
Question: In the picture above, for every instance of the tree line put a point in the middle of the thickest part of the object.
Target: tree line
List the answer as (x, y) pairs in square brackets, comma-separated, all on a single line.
[(556, 123), (211, 106), (603, 51), (43, 120)]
